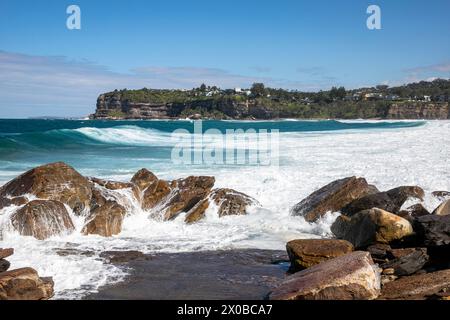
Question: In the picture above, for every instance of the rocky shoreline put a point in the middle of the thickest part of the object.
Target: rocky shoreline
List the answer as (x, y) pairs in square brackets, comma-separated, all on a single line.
[(383, 248)]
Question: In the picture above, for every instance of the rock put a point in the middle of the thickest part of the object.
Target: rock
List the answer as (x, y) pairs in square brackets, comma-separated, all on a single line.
[(4, 265), (401, 194), (16, 201), (197, 212), (42, 219), (414, 211), (371, 226), (417, 287), (185, 194), (443, 209), (390, 201), (385, 278), (55, 181), (105, 218), (353, 276), (155, 193), (5, 253), (377, 200), (306, 253), (379, 252), (112, 185), (231, 202), (143, 178), (441, 195), (228, 201), (122, 256), (433, 230), (407, 261), (332, 197), (24, 284)]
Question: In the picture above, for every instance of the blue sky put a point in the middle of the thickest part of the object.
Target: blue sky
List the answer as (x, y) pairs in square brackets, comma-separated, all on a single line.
[(46, 69)]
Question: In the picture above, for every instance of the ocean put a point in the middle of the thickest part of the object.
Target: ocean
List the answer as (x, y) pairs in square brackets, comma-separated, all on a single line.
[(311, 154)]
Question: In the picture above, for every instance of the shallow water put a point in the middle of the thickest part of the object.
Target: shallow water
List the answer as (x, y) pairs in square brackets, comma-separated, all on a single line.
[(312, 154)]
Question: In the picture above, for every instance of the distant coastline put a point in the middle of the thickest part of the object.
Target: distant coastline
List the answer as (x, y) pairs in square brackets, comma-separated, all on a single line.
[(423, 100)]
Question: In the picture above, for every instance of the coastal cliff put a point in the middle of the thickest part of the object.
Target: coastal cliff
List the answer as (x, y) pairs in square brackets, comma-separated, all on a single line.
[(423, 100), (112, 106)]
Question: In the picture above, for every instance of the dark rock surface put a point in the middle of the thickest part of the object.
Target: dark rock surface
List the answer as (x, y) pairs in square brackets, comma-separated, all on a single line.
[(215, 275), (332, 197)]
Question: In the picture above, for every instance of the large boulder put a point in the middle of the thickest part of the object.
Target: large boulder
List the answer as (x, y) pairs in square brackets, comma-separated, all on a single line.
[(371, 226), (418, 287), (106, 216), (390, 201), (185, 194), (55, 181), (443, 209), (42, 219), (228, 202), (24, 284), (332, 197), (433, 230), (353, 276), (441, 195), (306, 253), (406, 261)]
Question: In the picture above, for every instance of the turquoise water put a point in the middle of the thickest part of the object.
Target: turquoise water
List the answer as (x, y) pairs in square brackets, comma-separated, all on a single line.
[(115, 148)]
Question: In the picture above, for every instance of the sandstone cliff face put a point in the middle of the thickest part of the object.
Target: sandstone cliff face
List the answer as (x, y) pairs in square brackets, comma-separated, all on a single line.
[(113, 106), (419, 110)]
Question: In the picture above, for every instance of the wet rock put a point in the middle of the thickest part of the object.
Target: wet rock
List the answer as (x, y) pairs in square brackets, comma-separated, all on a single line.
[(353, 276), (16, 201), (55, 181), (228, 201), (407, 261), (25, 284), (443, 209), (143, 178), (417, 287), (401, 194), (5, 253), (390, 201), (371, 226), (433, 230), (333, 197), (117, 257), (185, 194), (198, 211), (112, 185), (106, 217), (4, 265), (42, 219), (441, 195), (155, 193), (306, 253), (414, 211)]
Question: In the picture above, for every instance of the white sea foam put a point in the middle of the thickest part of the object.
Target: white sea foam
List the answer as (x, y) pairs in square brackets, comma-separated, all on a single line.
[(385, 157)]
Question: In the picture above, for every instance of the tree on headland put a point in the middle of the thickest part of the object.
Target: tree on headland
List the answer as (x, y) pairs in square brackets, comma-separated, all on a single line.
[(258, 89)]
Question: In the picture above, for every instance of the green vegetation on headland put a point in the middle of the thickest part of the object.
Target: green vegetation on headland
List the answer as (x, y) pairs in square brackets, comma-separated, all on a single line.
[(416, 100)]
